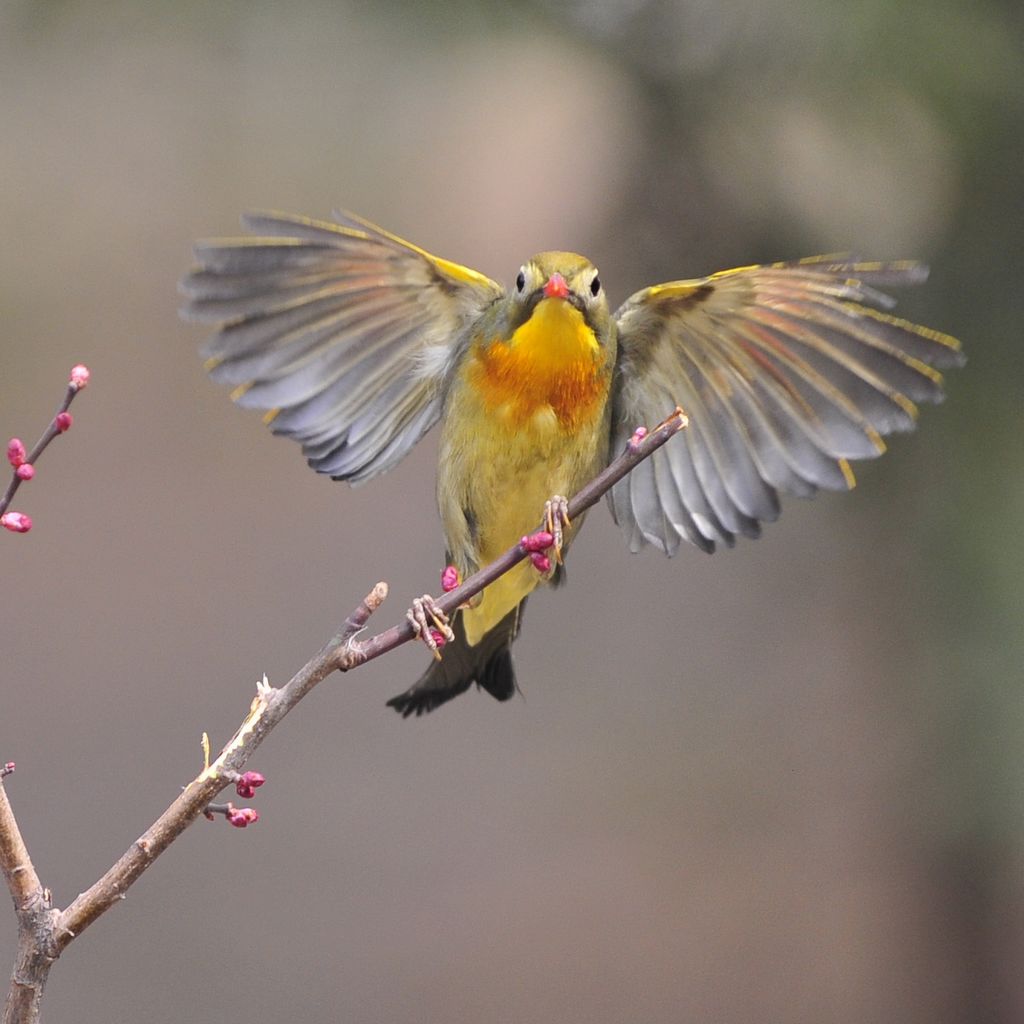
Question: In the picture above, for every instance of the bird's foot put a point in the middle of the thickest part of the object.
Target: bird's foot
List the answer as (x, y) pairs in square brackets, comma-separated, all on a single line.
[(556, 517), (430, 624), (550, 538)]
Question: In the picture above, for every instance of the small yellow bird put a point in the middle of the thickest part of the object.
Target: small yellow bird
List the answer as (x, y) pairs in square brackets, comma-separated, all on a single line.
[(356, 343)]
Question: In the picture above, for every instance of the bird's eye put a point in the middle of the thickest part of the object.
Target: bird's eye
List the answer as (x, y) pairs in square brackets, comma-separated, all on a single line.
[(595, 287), (520, 281)]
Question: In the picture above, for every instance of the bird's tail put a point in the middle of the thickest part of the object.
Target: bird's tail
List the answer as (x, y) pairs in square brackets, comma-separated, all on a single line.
[(487, 663)]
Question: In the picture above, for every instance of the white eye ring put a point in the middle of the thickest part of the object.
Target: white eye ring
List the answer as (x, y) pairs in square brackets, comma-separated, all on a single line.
[(521, 280)]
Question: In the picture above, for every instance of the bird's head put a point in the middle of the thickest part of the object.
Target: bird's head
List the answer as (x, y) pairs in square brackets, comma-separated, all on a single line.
[(551, 280)]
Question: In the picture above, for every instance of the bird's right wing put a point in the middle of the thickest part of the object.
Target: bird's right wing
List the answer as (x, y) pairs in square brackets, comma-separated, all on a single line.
[(784, 374), (342, 332)]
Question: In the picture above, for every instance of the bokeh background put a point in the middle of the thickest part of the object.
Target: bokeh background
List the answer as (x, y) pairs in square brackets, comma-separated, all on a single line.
[(783, 783)]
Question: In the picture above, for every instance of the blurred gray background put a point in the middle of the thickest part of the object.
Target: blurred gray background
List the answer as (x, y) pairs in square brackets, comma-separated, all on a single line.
[(782, 783)]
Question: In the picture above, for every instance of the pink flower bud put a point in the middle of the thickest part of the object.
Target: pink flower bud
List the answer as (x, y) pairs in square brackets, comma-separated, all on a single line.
[(16, 522), (63, 421), (6, 770), (248, 783), (242, 816), (539, 541), (638, 435), (540, 562), (26, 471), (438, 637), (15, 452), (449, 578), (79, 376)]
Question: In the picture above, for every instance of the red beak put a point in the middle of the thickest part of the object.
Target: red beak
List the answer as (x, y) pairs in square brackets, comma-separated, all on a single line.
[(556, 288)]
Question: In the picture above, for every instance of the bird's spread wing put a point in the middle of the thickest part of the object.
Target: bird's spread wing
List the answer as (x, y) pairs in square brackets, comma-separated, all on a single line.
[(784, 375), (342, 332)]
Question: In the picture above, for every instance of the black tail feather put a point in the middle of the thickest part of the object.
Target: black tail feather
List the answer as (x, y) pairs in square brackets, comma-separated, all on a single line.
[(498, 676), (488, 664)]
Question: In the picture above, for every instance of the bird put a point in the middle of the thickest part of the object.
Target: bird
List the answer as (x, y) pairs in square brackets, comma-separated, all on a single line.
[(354, 343)]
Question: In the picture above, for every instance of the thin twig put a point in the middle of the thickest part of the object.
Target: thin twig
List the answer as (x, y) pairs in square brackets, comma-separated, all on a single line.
[(268, 708), (56, 426)]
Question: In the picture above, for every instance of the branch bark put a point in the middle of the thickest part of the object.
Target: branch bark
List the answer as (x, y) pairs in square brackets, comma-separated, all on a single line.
[(35, 920), (44, 932)]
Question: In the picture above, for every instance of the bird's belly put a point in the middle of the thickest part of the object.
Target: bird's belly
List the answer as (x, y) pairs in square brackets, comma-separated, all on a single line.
[(515, 475), (500, 481)]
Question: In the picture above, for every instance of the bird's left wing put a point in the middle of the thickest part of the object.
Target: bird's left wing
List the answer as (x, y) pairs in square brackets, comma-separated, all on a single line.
[(784, 374), (341, 331)]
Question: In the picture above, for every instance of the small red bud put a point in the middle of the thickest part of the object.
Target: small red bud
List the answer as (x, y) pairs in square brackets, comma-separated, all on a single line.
[(79, 376), (539, 541), (638, 435), (16, 522), (449, 578), (242, 816), (26, 471), (6, 770), (15, 452), (248, 783), (438, 637), (540, 561), (63, 421)]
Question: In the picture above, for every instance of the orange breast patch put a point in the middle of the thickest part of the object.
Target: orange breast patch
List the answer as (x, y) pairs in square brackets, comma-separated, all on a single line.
[(553, 360)]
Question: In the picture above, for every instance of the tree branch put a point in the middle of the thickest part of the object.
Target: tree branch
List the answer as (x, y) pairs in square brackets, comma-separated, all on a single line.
[(45, 932), (35, 919), (19, 872)]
